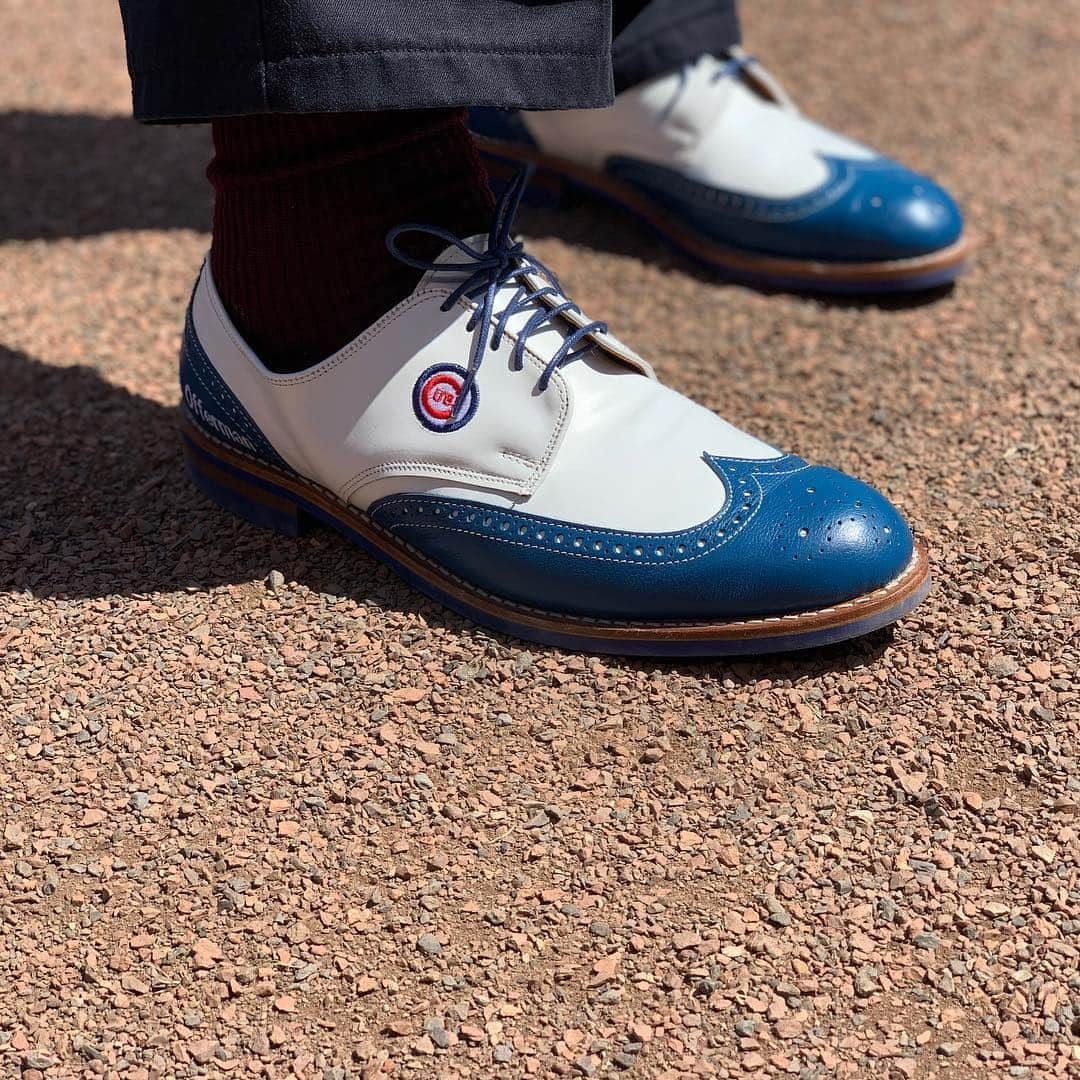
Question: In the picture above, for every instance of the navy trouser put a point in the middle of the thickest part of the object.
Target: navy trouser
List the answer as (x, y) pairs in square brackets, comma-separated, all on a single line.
[(199, 59)]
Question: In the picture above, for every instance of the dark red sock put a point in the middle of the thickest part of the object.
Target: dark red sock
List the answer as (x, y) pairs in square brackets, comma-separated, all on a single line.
[(302, 205)]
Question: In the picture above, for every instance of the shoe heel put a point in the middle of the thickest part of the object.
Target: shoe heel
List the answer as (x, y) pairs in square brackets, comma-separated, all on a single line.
[(246, 497), (545, 189)]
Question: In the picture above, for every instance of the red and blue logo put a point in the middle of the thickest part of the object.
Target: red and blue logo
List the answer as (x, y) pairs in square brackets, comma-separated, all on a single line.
[(436, 398)]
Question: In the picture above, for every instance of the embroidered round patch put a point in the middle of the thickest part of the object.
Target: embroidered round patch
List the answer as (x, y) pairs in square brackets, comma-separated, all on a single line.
[(435, 398)]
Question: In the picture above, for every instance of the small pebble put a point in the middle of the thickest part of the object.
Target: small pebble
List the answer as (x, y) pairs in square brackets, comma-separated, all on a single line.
[(429, 944)]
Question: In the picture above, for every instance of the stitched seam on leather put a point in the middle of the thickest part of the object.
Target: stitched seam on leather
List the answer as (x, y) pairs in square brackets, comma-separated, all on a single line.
[(518, 457), (616, 624), (645, 564), (226, 326), (769, 461), (728, 624), (757, 209), (689, 535), (285, 382), (243, 422), (632, 538), (527, 485), (566, 526), (584, 620), (325, 367), (406, 463), (455, 46), (376, 472), (376, 328), (471, 50)]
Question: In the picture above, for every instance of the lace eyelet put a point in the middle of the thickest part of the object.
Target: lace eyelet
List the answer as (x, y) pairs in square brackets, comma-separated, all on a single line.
[(504, 264)]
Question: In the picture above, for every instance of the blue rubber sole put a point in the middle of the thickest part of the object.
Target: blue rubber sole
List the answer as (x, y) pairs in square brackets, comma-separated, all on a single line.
[(552, 180), (290, 506)]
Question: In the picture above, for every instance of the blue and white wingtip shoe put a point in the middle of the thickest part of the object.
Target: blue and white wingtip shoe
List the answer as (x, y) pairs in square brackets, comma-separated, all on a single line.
[(718, 160), (516, 462)]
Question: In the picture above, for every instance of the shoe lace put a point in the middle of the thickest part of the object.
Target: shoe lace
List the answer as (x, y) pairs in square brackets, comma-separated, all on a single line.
[(505, 262), (737, 60), (733, 65)]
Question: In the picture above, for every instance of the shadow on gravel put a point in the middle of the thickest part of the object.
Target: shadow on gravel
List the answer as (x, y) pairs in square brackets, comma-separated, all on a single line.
[(95, 504), (79, 175)]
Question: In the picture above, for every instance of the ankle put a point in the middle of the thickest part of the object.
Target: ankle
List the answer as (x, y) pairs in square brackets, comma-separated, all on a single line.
[(302, 208)]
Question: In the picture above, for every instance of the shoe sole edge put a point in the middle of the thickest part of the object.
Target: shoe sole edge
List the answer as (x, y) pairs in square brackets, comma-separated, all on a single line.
[(917, 273), (281, 502)]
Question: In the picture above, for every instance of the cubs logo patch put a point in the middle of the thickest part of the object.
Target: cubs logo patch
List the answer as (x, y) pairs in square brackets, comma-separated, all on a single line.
[(436, 395)]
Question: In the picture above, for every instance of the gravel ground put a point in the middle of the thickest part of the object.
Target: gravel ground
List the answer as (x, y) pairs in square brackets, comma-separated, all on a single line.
[(267, 812)]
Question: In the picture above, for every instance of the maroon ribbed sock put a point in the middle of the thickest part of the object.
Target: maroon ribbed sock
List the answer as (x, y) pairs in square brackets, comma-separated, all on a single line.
[(302, 205)]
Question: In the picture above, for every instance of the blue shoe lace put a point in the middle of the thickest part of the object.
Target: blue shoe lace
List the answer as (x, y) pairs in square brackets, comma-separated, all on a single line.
[(733, 65), (505, 262)]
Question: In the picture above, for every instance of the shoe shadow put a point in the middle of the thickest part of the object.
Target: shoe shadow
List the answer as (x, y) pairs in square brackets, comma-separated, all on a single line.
[(71, 175), (80, 175), (593, 223), (95, 503)]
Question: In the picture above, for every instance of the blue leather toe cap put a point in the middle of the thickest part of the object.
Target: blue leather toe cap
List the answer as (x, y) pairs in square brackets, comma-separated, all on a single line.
[(823, 538), (864, 211), (890, 212), (789, 537)]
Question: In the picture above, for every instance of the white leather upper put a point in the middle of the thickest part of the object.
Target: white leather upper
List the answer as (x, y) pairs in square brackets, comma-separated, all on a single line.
[(605, 444), (722, 132), (349, 420)]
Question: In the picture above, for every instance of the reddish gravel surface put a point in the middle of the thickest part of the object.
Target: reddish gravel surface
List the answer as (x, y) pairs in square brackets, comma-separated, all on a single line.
[(267, 812)]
